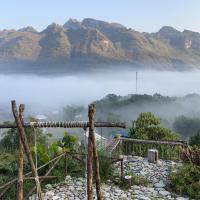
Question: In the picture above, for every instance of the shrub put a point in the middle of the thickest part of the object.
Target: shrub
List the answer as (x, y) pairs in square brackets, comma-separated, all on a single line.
[(195, 140), (186, 181), (135, 180), (105, 166)]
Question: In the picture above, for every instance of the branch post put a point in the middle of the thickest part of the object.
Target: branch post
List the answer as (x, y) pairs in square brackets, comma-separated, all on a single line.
[(95, 154), (90, 154), (24, 142), (20, 192)]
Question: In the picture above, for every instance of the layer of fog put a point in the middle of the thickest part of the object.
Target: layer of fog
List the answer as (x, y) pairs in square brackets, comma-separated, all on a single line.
[(48, 94)]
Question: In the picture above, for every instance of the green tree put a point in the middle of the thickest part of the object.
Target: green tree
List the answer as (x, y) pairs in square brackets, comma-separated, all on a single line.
[(148, 126), (69, 142), (186, 126), (195, 140), (10, 140)]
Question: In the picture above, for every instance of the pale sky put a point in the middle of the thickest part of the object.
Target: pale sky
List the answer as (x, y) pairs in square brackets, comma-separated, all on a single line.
[(141, 15)]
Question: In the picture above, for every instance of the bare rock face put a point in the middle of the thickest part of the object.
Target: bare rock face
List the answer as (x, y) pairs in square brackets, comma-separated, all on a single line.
[(73, 24), (97, 42), (19, 45), (91, 43), (54, 43)]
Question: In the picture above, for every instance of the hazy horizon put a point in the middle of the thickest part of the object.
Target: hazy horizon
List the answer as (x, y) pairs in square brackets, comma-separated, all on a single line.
[(43, 93)]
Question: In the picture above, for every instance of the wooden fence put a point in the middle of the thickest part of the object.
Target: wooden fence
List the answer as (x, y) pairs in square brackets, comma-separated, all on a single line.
[(168, 150)]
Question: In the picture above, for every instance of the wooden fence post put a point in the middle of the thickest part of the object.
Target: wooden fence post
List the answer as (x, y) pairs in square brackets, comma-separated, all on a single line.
[(24, 142), (92, 112), (122, 168), (90, 156), (65, 160), (20, 193)]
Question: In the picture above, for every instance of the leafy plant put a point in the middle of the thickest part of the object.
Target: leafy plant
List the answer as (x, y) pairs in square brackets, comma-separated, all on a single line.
[(186, 181), (105, 166), (147, 126), (134, 180), (69, 143)]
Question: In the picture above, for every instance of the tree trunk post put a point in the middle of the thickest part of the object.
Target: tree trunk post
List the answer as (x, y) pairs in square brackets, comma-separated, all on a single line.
[(65, 160), (90, 154), (122, 167), (24, 141), (92, 111), (20, 193)]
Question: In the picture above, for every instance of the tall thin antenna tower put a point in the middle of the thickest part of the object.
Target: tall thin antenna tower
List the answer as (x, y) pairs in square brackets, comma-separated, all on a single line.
[(136, 83)]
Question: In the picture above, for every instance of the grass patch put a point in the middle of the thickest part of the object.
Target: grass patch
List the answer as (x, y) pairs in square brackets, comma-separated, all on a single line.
[(134, 180)]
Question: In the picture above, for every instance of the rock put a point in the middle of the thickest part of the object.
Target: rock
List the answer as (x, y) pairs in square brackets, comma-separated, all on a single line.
[(55, 197), (79, 183), (50, 193), (164, 193), (159, 184), (48, 186), (144, 198), (75, 188)]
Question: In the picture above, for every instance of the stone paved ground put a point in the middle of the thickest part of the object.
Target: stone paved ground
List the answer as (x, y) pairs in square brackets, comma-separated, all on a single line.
[(74, 188)]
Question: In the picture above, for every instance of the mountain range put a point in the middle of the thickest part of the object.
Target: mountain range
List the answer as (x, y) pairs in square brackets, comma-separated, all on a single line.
[(97, 43)]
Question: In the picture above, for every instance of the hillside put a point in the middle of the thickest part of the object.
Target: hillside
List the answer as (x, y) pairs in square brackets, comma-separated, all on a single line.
[(181, 114), (167, 108), (98, 44)]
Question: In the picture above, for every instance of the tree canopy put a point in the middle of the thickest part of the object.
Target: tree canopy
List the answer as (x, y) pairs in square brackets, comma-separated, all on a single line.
[(148, 126), (195, 140)]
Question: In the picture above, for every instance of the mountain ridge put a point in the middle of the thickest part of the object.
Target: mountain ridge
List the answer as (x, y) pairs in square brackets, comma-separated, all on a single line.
[(96, 42)]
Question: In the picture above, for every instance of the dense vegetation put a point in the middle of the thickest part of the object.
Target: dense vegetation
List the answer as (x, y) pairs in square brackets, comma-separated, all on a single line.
[(180, 114), (47, 149), (186, 181), (148, 125)]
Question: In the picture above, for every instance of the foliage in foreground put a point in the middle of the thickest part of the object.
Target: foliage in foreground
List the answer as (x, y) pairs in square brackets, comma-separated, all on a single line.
[(186, 181), (45, 152), (105, 166)]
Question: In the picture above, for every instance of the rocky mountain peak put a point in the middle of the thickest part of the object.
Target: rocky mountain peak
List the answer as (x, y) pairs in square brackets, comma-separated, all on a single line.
[(53, 28), (168, 30), (94, 41), (28, 29), (73, 24), (98, 24)]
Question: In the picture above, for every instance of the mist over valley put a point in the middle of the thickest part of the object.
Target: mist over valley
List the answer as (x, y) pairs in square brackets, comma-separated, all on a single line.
[(49, 95)]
